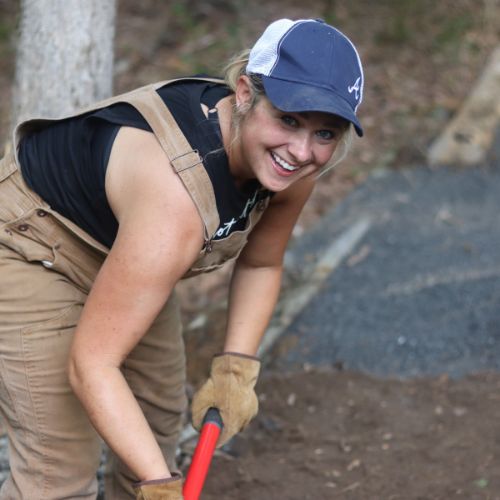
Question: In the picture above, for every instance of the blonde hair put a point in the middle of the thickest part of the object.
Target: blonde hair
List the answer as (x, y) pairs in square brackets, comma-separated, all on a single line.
[(237, 68), (341, 150), (232, 72)]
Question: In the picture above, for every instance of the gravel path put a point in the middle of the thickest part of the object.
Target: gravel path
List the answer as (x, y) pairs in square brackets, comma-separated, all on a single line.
[(419, 293)]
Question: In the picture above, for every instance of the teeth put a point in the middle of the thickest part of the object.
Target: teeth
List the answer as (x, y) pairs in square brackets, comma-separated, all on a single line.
[(283, 163)]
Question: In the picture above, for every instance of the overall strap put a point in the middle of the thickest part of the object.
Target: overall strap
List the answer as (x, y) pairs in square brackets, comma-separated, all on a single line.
[(185, 161), (158, 85)]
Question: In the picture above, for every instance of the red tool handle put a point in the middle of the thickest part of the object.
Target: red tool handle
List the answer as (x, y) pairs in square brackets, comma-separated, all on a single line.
[(210, 431)]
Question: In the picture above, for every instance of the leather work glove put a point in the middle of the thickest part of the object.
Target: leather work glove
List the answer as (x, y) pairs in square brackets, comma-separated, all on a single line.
[(230, 389), (160, 489)]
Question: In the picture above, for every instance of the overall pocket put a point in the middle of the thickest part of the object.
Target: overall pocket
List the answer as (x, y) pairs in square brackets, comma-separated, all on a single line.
[(31, 229), (39, 237), (24, 237)]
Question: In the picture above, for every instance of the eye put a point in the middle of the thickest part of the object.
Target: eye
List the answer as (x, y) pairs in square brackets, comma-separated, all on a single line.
[(327, 135), (289, 120)]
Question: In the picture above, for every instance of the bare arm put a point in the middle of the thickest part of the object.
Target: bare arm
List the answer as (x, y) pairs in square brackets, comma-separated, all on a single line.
[(257, 275), (155, 213)]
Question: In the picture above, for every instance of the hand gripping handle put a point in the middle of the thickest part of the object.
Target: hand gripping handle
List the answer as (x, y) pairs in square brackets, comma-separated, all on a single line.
[(210, 431)]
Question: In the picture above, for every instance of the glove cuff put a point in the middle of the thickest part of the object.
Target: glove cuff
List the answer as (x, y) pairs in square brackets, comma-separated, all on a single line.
[(175, 477), (241, 367), (237, 354)]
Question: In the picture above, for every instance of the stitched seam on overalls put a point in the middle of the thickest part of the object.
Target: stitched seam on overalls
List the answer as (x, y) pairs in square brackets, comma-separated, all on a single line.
[(178, 150), (46, 460), (7, 166), (15, 405)]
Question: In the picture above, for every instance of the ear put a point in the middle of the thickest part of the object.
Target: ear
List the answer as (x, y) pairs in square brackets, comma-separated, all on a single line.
[(243, 93)]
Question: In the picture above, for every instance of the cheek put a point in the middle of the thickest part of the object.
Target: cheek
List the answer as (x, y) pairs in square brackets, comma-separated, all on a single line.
[(324, 154), (260, 136), (261, 124)]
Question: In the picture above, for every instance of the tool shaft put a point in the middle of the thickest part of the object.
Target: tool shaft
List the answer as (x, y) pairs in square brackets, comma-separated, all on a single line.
[(212, 426)]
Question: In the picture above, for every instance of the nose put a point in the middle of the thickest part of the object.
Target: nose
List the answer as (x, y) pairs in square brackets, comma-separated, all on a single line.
[(300, 148)]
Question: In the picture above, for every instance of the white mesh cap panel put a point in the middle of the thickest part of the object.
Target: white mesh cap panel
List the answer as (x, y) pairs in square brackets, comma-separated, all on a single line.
[(264, 53)]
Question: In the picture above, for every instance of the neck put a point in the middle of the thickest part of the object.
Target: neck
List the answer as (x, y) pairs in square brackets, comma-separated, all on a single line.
[(230, 143)]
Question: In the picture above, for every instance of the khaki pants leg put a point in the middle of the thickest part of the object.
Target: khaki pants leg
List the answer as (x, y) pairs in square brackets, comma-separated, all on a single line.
[(54, 451), (155, 371)]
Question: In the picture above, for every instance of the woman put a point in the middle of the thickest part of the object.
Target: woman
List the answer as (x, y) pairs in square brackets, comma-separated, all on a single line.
[(103, 213)]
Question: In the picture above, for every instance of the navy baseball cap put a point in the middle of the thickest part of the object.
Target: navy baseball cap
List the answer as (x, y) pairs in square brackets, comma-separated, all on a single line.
[(308, 65)]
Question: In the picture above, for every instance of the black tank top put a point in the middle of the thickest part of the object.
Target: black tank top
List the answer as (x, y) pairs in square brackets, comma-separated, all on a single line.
[(66, 162)]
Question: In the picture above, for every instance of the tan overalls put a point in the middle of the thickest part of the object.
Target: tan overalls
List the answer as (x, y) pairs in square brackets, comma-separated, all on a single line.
[(47, 267)]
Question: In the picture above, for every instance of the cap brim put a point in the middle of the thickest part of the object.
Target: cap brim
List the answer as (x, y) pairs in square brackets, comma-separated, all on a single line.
[(297, 97)]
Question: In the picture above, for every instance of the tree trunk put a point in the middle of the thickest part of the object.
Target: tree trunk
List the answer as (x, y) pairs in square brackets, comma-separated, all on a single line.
[(65, 56)]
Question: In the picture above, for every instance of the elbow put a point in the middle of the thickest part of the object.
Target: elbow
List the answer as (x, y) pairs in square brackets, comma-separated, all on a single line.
[(81, 373), (87, 373), (75, 374)]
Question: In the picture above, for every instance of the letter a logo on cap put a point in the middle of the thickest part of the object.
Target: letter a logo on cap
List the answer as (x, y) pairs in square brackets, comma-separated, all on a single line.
[(356, 87)]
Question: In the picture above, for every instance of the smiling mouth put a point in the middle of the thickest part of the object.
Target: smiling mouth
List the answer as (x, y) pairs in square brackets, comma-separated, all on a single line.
[(283, 164)]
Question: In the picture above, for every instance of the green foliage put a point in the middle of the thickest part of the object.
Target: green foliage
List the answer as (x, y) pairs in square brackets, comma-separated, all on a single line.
[(329, 14), (400, 21), (481, 483), (6, 30), (183, 16), (453, 30), (407, 22)]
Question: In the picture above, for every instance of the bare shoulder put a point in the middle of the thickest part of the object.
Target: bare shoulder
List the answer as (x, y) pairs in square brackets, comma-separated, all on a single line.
[(146, 195), (140, 173)]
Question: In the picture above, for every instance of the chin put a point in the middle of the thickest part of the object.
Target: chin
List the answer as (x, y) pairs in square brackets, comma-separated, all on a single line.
[(276, 186)]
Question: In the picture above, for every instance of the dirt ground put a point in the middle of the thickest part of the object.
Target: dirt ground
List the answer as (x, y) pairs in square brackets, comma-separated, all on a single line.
[(327, 434)]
